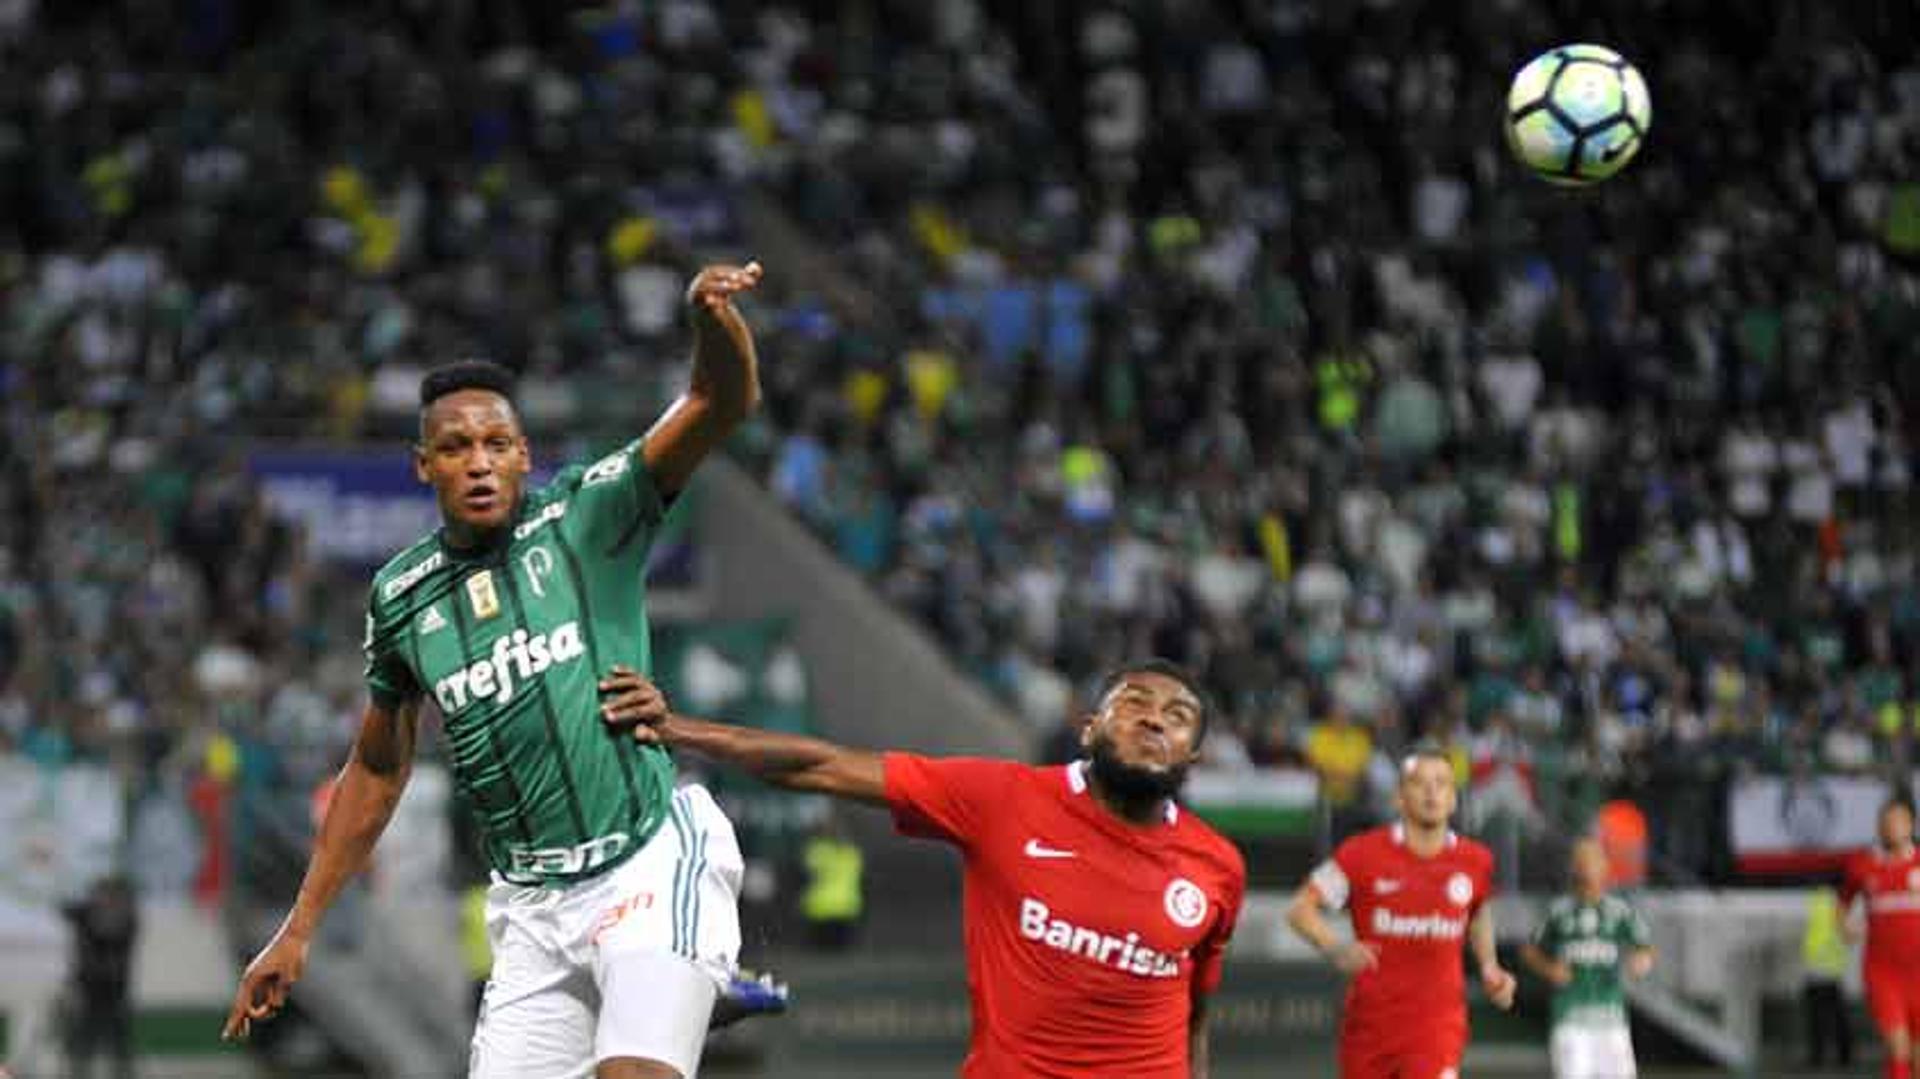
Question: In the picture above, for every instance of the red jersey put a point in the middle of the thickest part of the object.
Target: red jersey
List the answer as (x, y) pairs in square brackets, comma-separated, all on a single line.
[(1415, 912), (1086, 936), (1892, 890)]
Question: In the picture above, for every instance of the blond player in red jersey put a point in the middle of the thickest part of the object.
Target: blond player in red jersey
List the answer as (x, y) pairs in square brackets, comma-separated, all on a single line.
[(1414, 891), (1097, 911), (1888, 879)]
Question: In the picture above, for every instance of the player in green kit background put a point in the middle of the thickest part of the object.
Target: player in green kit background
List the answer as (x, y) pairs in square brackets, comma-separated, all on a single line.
[(613, 916), (1587, 942)]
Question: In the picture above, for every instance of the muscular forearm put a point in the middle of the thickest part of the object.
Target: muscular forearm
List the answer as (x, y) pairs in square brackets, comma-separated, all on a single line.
[(726, 367), (793, 761), (363, 801), (1199, 1047), (1480, 938)]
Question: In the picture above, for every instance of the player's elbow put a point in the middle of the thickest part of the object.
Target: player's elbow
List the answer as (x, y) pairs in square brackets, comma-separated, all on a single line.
[(1303, 912)]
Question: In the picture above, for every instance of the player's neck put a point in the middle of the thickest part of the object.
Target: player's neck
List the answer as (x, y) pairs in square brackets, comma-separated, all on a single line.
[(1135, 811), (1425, 841), (1900, 851), (1588, 895), (461, 538)]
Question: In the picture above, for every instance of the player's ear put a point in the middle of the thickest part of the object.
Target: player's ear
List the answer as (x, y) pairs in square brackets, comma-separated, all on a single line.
[(420, 464), (1086, 729)]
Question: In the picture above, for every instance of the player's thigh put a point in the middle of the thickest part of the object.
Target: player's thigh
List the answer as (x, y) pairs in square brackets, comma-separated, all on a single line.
[(1891, 999), (666, 936), (537, 1012), (1434, 1062), (1593, 1052), (654, 1006), (679, 895)]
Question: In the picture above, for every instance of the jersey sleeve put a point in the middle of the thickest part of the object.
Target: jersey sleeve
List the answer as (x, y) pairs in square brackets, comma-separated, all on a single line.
[(1334, 878), (390, 682), (949, 798), (1209, 958), (612, 504)]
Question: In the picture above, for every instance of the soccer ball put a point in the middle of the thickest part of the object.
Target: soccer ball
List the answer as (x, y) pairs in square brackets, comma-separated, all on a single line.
[(1577, 114)]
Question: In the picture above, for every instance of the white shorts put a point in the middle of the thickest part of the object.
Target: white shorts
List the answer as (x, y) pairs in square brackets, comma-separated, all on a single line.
[(626, 964), (1592, 1052)]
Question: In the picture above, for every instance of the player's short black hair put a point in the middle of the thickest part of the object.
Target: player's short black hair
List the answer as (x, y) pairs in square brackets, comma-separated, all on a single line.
[(1901, 798), (465, 375), (1168, 668)]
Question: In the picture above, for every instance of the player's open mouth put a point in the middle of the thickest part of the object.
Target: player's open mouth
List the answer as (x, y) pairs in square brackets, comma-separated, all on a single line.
[(480, 499)]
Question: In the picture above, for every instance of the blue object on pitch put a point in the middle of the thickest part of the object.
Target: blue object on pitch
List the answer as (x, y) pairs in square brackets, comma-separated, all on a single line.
[(747, 995)]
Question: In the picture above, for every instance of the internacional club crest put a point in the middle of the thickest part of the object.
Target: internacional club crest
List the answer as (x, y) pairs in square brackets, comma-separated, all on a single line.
[(1460, 889), (1186, 903)]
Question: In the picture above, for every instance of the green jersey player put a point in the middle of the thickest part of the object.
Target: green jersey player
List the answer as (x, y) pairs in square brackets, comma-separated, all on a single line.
[(613, 913), (1588, 940)]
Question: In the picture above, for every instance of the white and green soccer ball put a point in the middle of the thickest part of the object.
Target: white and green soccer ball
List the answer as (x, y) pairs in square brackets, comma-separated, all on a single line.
[(1577, 114)]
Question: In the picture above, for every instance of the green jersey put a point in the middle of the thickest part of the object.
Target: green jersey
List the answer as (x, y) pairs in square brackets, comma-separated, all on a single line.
[(511, 642), (1594, 940)]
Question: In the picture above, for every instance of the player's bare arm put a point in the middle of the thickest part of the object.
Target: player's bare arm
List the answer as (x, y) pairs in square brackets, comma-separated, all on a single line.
[(368, 789), (724, 388), (629, 700), (1640, 962), (1199, 1045), (1494, 979), (1547, 968), (1307, 917)]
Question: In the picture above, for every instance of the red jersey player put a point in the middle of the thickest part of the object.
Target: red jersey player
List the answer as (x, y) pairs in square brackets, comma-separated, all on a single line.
[(1888, 878), (1097, 910), (1414, 891)]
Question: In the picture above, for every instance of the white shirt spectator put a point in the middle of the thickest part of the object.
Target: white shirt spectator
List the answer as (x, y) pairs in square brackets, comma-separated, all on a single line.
[(1226, 583), (1849, 439), (1321, 588), (1233, 80), (1810, 494), (1749, 459), (1512, 386)]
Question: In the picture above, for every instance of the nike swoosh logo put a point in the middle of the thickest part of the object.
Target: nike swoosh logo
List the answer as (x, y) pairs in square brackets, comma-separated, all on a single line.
[(1607, 155), (1035, 850)]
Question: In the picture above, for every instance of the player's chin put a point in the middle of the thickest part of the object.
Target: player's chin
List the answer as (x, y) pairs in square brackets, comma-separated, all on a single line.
[(480, 519)]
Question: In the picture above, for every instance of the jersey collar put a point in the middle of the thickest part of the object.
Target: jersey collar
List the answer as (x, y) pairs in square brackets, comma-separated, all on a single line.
[(1400, 835), (1077, 783)]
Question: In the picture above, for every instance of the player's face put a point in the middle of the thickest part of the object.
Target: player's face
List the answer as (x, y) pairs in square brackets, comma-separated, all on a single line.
[(473, 455), (1589, 866), (1896, 826), (1151, 721), (1426, 792)]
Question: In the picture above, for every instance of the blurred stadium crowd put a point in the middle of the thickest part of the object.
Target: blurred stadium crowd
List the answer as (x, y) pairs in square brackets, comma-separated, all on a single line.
[(1224, 331)]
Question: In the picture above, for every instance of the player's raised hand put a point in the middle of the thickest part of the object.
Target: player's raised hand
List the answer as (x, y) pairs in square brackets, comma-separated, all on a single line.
[(1355, 956), (265, 984), (1499, 985), (712, 290), (629, 702)]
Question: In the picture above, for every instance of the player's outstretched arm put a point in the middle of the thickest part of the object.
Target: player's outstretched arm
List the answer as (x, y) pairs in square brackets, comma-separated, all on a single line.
[(725, 386), (1499, 984), (363, 800), (1199, 1044), (1307, 917), (792, 761)]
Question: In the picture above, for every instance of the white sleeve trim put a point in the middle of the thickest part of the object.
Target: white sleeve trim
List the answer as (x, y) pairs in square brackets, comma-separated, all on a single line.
[(1331, 882)]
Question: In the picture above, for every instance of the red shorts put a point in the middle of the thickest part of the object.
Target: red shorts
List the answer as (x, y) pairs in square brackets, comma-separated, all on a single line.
[(1893, 996), (1392, 1051)]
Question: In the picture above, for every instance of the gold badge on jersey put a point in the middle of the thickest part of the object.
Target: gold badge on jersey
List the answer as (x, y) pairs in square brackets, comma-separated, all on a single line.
[(481, 595)]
